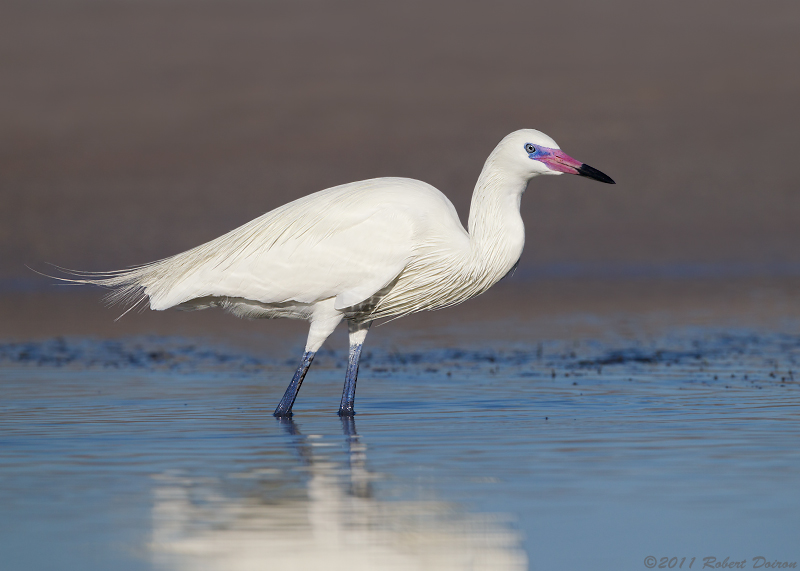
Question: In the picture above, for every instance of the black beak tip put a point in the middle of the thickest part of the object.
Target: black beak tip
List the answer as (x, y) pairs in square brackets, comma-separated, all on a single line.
[(593, 173)]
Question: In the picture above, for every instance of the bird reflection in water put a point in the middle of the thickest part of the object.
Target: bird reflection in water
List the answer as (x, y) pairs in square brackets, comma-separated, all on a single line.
[(331, 519)]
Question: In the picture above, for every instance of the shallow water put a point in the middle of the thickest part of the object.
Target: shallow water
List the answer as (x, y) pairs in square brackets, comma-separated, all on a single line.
[(160, 453)]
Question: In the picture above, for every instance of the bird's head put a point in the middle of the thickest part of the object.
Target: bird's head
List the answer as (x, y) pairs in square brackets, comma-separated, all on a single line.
[(530, 153)]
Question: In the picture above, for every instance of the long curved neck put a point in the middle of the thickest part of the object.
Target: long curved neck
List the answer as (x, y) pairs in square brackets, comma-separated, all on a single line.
[(497, 234)]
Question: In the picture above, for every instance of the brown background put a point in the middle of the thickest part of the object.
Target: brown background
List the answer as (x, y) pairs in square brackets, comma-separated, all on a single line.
[(131, 130)]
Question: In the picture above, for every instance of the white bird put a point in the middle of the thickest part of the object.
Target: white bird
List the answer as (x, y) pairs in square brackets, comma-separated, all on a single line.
[(377, 248)]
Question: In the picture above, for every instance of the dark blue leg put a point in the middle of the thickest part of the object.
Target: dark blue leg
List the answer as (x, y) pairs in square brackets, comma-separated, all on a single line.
[(285, 406), (349, 392)]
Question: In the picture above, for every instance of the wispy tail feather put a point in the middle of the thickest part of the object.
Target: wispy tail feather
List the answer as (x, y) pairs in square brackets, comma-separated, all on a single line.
[(127, 288)]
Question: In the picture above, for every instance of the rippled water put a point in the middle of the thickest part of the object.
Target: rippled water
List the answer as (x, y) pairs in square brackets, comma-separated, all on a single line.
[(161, 453)]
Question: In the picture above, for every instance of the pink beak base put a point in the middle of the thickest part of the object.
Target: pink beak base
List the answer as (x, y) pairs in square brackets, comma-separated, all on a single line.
[(558, 160)]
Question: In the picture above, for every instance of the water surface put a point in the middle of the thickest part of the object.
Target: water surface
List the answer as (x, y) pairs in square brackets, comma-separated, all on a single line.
[(160, 453)]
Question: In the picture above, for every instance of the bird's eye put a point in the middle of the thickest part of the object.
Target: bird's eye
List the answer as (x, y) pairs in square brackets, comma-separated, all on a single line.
[(530, 149)]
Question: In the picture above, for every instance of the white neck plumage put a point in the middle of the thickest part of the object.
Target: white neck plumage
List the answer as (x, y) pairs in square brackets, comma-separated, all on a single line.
[(497, 234)]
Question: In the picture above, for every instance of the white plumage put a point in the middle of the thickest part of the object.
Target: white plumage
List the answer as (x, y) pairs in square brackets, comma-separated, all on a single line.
[(366, 250)]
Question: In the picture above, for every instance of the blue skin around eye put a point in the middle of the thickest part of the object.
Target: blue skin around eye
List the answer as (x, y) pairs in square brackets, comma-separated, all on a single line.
[(535, 154), (540, 152)]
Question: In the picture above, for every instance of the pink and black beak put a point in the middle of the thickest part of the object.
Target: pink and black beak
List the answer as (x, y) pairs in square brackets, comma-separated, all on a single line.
[(559, 161)]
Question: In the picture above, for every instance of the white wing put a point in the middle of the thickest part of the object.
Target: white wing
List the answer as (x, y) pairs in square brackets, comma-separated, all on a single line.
[(346, 242)]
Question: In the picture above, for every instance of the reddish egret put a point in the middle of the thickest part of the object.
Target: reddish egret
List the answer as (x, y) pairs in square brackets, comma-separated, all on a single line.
[(384, 247)]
